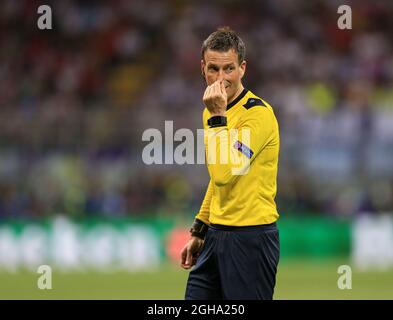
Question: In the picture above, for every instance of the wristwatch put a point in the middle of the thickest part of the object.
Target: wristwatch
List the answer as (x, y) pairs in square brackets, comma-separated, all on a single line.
[(217, 121), (199, 229)]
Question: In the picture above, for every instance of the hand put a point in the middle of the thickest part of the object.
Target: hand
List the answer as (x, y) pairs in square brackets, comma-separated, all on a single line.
[(215, 98), (190, 252)]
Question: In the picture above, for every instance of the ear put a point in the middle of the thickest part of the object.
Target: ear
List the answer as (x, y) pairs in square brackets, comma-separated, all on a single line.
[(242, 68), (203, 68)]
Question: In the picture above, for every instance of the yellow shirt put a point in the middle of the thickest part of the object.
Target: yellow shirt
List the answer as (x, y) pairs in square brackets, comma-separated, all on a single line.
[(242, 167)]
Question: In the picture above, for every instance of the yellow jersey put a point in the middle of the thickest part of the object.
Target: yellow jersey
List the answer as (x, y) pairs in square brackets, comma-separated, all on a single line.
[(242, 160)]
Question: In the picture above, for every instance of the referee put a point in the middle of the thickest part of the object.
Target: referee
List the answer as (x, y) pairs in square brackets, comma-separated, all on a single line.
[(234, 247)]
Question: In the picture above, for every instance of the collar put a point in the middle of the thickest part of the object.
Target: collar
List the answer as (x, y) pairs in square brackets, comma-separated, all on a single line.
[(238, 98)]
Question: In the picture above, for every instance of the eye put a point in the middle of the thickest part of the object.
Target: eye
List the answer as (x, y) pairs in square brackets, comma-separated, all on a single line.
[(230, 69)]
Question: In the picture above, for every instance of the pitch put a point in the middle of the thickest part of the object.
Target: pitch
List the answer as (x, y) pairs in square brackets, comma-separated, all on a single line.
[(297, 279)]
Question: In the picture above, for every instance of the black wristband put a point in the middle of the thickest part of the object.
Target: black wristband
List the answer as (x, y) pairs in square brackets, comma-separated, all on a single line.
[(217, 121), (199, 229)]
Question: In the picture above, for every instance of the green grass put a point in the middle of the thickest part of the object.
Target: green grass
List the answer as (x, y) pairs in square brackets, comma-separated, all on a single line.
[(295, 280), (318, 280)]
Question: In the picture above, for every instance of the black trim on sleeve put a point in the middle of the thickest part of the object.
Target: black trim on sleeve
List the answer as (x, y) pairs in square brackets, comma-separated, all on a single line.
[(252, 102), (238, 98)]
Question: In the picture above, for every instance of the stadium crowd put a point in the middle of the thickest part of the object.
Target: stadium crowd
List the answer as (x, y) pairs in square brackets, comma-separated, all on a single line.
[(75, 100)]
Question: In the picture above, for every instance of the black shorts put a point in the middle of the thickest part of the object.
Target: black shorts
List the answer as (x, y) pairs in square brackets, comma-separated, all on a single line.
[(236, 263)]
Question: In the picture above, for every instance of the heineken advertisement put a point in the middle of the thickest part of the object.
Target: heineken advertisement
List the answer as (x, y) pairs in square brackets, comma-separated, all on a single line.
[(92, 244), (145, 243), (372, 241)]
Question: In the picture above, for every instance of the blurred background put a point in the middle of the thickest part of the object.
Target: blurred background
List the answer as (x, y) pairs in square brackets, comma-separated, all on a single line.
[(76, 99)]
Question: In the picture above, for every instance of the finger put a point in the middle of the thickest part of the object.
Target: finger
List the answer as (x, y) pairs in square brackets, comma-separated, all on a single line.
[(211, 90), (185, 266), (183, 256), (207, 92), (218, 84), (222, 86), (184, 263), (216, 88), (189, 257)]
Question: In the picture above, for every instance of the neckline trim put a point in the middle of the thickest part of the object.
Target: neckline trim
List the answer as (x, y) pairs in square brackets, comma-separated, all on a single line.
[(238, 98)]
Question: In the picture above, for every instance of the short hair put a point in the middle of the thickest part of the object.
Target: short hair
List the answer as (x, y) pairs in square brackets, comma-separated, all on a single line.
[(222, 40)]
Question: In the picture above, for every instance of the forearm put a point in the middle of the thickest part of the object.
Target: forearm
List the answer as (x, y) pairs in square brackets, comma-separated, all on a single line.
[(225, 163), (204, 211)]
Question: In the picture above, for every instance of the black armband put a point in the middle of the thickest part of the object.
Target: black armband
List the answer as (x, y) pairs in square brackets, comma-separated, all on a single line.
[(217, 121), (199, 229)]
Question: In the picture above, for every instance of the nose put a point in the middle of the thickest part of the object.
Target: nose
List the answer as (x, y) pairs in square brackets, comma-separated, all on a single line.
[(220, 75)]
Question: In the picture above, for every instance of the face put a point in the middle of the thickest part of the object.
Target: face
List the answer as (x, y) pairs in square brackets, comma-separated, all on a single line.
[(224, 66)]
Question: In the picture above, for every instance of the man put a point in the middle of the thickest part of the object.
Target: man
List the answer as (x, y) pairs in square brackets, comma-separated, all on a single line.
[(234, 241)]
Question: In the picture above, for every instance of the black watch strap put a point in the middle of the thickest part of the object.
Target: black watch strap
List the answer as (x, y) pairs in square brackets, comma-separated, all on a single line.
[(199, 229), (217, 121)]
